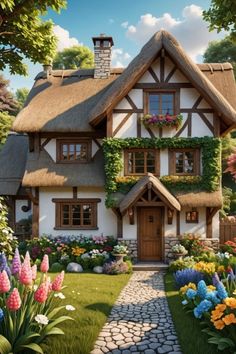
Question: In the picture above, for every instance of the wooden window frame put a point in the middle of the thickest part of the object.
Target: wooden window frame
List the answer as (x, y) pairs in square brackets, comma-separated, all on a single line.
[(85, 141), (58, 214), (157, 164), (196, 162), (192, 221), (175, 93)]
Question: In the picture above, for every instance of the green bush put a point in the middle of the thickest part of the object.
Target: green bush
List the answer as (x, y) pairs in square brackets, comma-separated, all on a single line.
[(7, 241), (56, 267), (182, 263)]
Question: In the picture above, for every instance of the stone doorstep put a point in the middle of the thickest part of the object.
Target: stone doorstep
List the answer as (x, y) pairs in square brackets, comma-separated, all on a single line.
[(146, 266)]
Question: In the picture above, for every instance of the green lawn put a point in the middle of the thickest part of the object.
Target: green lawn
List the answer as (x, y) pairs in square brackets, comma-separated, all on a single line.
[(191, 339), (93, 296)]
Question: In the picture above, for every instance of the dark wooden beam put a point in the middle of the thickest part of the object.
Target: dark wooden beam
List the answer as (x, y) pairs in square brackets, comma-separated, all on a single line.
[(171, 73), (206, 121), (131, 102), (45, 143), (198, 100), (35, 216), (109, 125), (117, 212), (153, 74), (182, 128), (126, 110), (75, 192), (196, 110), (122, 123), (177, 223)]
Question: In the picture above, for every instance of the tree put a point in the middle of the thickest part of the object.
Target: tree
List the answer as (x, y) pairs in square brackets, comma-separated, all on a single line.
[(21, 95), (73, 58), (5, 125), (222, 16), (23, 33), (221, 51)]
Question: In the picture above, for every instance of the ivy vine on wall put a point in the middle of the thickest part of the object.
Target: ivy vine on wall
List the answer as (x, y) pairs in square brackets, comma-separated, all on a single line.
[(211, 164)]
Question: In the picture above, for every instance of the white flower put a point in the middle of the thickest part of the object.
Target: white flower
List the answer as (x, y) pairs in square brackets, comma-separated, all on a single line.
[(60, 295), (35, 287), (42, 319), (70, 308)]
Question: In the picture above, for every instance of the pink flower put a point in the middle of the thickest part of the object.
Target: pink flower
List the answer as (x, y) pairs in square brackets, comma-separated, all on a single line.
[(57, 283), (34, 272), (5, 285), (45, 264), (41, 293), (14, 301), (27, 259), (26, 274)]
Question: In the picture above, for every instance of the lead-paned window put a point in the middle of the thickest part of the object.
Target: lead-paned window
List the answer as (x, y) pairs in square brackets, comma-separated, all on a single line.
[(160, 103), (73, 151), (184, 162), (140, 162)]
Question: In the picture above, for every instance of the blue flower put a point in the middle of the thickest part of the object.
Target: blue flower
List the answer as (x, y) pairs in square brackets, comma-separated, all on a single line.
[(204, 306), (212, 296), (184, 302), (197, 313), (190, 293), (202, 289), (185, 276), (1, 315), (3, 264), (221, 292)]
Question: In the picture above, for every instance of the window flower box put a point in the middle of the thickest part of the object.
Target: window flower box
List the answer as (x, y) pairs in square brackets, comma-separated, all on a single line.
[(161, 120)]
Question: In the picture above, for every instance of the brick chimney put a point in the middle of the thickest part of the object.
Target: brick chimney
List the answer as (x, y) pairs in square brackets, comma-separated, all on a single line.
[(102, 56)]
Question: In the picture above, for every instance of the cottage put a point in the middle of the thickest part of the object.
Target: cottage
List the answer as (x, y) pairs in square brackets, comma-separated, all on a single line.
[(133, 153)]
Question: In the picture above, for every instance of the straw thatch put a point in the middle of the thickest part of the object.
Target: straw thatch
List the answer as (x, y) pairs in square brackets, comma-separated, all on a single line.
[(140, 64), (62, 101), (42, 171), (200, 199), (12, 163), (139, 189)]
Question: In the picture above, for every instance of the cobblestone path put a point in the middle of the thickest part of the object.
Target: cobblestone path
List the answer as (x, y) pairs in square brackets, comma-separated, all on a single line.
[(140, 321)]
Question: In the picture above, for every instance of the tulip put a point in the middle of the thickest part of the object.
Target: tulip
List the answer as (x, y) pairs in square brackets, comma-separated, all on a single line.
[(5, 285), (13, 302), (45, 264)]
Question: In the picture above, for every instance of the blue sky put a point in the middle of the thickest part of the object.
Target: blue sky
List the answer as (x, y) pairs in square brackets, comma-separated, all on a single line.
[(131, 23)]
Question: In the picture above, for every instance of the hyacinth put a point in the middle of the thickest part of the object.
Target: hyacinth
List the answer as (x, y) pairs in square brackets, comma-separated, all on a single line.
[(41, 293), (26, 274), (5, 285), (14, 301), (57, 283), (221, 291), (215, 279), (204, 306), (190, 293), (212, 296), (27, 259), (16, 263), (45, 264), (34, 271), (202, 289), (1, 315), (3, 264)]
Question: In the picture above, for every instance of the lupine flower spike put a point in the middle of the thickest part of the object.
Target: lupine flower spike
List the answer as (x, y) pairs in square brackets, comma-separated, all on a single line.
[(14, 301), (26, 274), (5, 285), (57, 283), (27, 259), (34, 272), (16, 263), (45, 264)]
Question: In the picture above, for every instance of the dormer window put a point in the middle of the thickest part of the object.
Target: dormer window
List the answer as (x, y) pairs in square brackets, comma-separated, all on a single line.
[(158, 103), (73, 150)]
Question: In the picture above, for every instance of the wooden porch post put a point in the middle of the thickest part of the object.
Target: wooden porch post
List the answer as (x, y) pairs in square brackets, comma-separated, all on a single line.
[(119, 222), (210, 212), (35, 211)]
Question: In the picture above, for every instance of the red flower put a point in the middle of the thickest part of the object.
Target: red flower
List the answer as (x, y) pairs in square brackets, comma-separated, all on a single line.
[(14, 301)]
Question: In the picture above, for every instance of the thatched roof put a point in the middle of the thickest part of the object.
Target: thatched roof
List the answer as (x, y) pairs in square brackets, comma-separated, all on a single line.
[(62, 101), (200, 199), (12, 163), (139, 189), (42, 171), (140, 64), (73, 101)]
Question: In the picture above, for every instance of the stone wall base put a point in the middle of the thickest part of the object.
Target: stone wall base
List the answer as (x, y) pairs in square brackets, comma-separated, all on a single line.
[(132, 247)]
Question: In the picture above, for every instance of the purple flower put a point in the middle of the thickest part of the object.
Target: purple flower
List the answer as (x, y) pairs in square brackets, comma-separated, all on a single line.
[(221, 292), (3, 264), (16, 263), (215, 279)]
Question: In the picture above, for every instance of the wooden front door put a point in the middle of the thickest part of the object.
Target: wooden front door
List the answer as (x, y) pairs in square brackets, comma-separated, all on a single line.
[(150, 234)]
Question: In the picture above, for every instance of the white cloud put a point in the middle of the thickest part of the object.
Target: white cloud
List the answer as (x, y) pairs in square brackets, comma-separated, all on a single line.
[(120, 58), (64, 39), (191, 31), (125, 24)]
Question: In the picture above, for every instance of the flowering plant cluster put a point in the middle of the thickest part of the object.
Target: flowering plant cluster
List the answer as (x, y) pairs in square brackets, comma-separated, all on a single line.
[(162, 120), (115, 268), (8, 242), (27, 305), (230, 247), (178, 248), (120, 249), (193, 244)]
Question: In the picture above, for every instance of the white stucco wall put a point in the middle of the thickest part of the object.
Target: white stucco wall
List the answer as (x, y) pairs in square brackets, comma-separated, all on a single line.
[(130, 231), (19, 213), (198, 228), (107, 224)]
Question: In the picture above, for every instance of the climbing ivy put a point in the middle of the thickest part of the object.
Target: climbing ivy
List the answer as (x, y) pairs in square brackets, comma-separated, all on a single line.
[(211, 164)]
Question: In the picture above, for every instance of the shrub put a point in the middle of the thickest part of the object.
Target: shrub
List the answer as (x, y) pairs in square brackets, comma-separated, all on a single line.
[(8, 242), (183, 263), (192, 244), (115, 268), (56, 267)]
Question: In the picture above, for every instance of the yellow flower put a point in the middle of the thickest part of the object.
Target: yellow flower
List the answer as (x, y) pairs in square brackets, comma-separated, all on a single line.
[(220, 307), (215, 315), (186, 287), (231, 302), (221, 269), (229, 319), (234, 293), (219, 324), (211, 287), (204, 267), (77, 251)]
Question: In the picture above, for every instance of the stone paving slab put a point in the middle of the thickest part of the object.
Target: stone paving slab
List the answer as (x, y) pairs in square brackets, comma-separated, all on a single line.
[(140, 321)]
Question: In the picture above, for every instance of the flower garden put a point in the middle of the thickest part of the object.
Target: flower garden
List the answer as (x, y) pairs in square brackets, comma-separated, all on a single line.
[(207, 288)]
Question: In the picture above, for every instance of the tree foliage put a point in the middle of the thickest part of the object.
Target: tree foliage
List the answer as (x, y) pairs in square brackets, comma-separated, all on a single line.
[(7, 101), (73, 58), (221, 51), (5, 125), (7, 241), (222, 16), (21, 95), (23, 33)]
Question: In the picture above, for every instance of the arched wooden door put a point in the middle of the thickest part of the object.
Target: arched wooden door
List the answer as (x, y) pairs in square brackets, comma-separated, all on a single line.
[(150, 233)]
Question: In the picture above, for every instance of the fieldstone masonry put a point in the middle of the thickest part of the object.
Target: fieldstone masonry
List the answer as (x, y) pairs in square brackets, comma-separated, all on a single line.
[(102, 60), (140, 321), (132, 247)]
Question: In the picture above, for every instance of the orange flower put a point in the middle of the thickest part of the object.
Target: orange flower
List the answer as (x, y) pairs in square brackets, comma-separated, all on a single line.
[(220, 307), (219, 324), (215, 315), (231, 302), (229, 319), (221, 269)]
